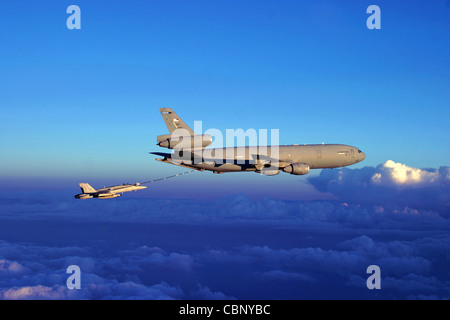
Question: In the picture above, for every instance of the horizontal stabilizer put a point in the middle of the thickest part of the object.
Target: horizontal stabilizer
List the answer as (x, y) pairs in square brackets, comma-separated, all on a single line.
[(162, 154)]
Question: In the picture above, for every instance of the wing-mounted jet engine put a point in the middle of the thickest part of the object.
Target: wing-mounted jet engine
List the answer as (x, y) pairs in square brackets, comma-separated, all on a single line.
[(297, 169)]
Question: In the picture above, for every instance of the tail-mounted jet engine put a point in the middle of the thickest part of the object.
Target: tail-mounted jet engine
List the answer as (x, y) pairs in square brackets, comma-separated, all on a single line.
[(198, 141), (297, 169)]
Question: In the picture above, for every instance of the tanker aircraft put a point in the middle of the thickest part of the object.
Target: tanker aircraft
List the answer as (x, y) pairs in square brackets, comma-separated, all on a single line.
[(190, 151)]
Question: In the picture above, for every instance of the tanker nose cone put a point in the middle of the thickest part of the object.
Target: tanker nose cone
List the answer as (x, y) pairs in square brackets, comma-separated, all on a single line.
[(362, 155)]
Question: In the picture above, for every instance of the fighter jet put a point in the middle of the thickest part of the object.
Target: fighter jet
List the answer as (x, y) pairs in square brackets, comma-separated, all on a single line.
[(190, 151), (108, 192)]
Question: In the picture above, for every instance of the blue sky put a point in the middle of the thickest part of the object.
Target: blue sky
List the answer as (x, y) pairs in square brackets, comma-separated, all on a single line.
[(82, 105)]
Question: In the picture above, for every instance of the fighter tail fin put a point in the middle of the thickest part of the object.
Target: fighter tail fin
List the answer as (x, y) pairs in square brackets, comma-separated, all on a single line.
[(86, 188)]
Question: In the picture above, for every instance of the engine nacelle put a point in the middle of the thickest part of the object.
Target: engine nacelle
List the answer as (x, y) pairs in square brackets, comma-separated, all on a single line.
[(297, 169), (197, 141)]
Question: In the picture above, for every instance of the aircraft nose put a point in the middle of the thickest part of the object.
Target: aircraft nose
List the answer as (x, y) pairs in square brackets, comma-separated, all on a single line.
[(362, 156)]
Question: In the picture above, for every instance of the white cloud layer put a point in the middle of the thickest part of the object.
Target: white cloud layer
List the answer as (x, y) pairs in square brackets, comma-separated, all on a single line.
[(390, 183), (399, 174)]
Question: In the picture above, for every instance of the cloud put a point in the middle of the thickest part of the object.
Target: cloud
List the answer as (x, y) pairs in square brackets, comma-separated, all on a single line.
[(370, 209), (407, 268), (277, 275), (389, 184), (256, 261), (401, 175), (39, 272), (106, 290), (235, 247), (32, 293), (205, 293), (10, 267)]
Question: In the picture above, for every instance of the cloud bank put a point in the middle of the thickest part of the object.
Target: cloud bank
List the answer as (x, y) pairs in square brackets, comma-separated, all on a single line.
[(39, 272), (393, 184), (310, 265), (235, 247)]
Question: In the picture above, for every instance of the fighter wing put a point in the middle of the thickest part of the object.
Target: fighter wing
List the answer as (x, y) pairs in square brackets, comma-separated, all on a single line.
[(173, 121), (120, 189), (106, 192)]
